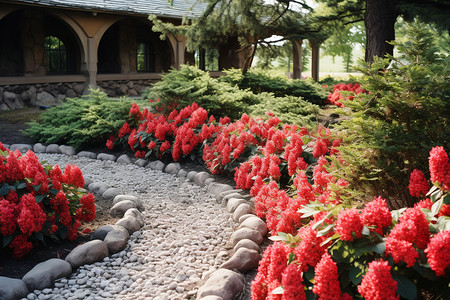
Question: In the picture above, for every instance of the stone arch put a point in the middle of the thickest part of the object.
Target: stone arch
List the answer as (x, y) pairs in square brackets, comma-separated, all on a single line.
[(117, 47), (24, 53)]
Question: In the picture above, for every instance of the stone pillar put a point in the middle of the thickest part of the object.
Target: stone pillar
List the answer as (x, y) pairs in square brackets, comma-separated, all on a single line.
[(315, 50), (33, 39), (178, 44), (91, 65), (297, 58)]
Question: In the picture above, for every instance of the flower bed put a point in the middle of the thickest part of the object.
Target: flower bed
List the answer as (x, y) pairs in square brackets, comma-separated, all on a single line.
[(39, 201), (337, 98), (323, 245)]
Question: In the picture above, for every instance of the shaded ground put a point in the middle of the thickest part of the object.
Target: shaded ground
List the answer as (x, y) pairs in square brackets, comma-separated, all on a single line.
[(13, 122)]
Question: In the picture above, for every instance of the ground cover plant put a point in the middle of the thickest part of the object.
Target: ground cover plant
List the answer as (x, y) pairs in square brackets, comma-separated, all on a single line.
[(39, 202), (79, 122)]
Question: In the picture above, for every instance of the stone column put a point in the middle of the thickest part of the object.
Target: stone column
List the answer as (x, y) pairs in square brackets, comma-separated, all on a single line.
[(178, 44), (297, 58), (91, 65), (315, 50)]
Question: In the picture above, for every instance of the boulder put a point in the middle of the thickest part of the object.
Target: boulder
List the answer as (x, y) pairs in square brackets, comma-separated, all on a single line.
[(87, 253), (138, 202), (119, 209), (12, 288), (245, 217), (124, 159), (216, 188), (209, 181), (3, 106), (87, 154), (236, 193), (255, 223), (242, 210), (116, 240), (52, 148), (45, 273), (233, 203), (222, 283), (101, 232), (44, 98), (191, 175), (243, 260), (98, 187), (110, 193), (200, 178), (130, 223), (182, 173), (245, 243), (23, 148), (173, 168), (9, 99), (106, 156), (246, 233), (137, 215), (141, 162), (156, 165), (39, 148), (211, 297), (67, 150)]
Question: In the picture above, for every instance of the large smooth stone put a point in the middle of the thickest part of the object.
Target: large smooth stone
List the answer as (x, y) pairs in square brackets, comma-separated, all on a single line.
[(130, 223), (141, 162), (87, 154), (243, 260), (245, 243), (201, 177), (12, 289), (39, 148), (117, 239), (233, 203), (135, 213), (227, 195), (217, 188), (23, 148), (119, 209), (135, 199), (98, 187), (191, 175), (156, 165), (172, 168), (110, 193), (124, 159), (87, 253), (222, 283), (53, 148), (101, 232), (255, 223), (106, 156), (246, 233), (242, 210), (45, 273), (67, 150)]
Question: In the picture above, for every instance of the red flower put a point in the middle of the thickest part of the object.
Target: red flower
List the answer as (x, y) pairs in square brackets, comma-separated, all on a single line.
[(439, 167), (401, 251), (438, 252), (418, 185), (164, 147), (7, 217), (292, 283), (326, 282), (124, 130), (349, 224), (376, 213), (20, 246), (377, 283), (309, 251), (73, 175), (31, 217)]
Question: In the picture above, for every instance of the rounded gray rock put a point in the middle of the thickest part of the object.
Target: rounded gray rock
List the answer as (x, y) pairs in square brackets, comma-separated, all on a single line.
[(182, 173), (141, 162), (134, 212), (87, 253), (172, 168), (102, 231), (242, 210), (52, 148), (12, 289), (124, 159), (116, 240), (246, 233), (222, 283), (246, 243), (45, 273), (119, 209), (130, 223), (98, 187), (67, 150), (245, 217), (135, 199), (256, 224), (87, 154), (21, 147), (191, 175), (39, 148), (216, 188), (110, 193), (156, 165), (243, 260), (106, 156), (200, 178), (233, 203)]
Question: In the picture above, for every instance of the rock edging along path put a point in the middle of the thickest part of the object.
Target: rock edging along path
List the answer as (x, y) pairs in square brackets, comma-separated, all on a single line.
[(183, 245)]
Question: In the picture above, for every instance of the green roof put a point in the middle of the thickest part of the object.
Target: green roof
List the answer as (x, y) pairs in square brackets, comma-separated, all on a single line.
[(179, 9)]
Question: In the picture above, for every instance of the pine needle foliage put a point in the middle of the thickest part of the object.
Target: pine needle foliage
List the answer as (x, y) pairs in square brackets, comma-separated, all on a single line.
[(80, 122), (394, 126)]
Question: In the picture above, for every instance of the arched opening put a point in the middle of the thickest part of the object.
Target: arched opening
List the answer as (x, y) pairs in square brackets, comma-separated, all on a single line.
[(130, 46), (35, 42)]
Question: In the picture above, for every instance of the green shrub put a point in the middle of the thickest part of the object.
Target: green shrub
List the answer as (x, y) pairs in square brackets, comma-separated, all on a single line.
[(290, 109), (81, 122), (393, 128), (258, 82), (180, 88)]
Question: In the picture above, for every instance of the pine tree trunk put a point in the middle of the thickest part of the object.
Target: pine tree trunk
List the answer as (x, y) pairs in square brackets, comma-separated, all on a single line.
[(379, 20)]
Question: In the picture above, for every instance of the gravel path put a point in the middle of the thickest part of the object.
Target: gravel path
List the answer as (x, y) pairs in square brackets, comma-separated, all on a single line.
[(183, 240)]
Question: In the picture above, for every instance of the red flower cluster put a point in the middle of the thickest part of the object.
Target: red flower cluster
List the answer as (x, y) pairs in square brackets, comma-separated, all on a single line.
[(337, 98), (326, 284), (376, 215), (349, 224), (418, 185), (440, 167), (438, 252), (378, 284), (35, 203)]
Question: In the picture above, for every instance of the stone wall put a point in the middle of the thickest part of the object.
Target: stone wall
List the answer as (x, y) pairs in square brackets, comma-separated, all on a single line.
[(19, 96), (117, 88)]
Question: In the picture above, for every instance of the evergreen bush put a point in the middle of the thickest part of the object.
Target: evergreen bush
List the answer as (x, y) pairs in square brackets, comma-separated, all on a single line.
[(393, 127), (81, 122)]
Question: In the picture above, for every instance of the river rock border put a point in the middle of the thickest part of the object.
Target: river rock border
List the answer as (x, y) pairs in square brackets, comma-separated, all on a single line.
[(226, 283)]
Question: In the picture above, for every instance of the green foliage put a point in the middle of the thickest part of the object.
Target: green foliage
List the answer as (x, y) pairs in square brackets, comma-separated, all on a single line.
[(258, 82), (180, 88), (81, 122), (290, 109), (405, 114)]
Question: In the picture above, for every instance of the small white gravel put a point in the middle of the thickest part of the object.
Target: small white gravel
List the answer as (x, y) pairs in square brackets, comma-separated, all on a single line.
[(179, 245)]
